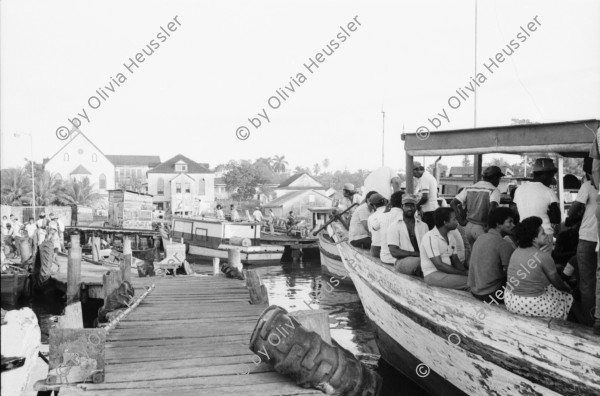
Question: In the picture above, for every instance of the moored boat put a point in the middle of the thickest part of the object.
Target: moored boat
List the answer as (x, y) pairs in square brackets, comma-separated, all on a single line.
[(450, 342), (331, 262), (210, 237)]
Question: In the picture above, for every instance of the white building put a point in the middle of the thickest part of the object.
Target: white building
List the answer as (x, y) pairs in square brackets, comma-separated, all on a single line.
[(80, 158), (183, 186)]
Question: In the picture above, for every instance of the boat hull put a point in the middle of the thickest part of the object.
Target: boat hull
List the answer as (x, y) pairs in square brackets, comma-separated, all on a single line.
[(248, 255), (477, 348), (331, 262)]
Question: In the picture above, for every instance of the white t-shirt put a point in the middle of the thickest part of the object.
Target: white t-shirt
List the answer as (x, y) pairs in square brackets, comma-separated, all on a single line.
[(589, 228), (257, 215), (61, 225), (375, 226), (387, 219), (533, 199), (31, 229), (357, 230), (380, 180), (433, 244), (428, 184)]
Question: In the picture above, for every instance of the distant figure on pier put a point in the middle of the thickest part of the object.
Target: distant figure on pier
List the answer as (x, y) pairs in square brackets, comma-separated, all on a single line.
[(42, 221), (271, 221), (61, 230), (258, 216), (219, 212), (291, 221), (31, 227), (163, 232), (235, 216)]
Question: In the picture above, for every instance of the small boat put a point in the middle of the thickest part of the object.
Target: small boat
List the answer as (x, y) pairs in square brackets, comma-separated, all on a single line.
[(331, 262), (210, 237), (447, 341), (12, 287)]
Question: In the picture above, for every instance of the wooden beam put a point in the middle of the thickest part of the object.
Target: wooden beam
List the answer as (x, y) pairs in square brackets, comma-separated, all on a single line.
[(559, 137), (125, 264), (258, 291), (409, 176), (477, 167), (74, 270), (216, 268)]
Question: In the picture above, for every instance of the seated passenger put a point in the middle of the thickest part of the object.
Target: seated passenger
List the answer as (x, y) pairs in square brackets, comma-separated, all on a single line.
[(387, 219), (490, 257), (378, 202), (358, 234), (442, 253), (404, 239), (534, 287)]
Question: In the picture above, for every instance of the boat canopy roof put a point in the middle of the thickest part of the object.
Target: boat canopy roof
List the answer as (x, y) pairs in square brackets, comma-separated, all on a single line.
[(568, 139)]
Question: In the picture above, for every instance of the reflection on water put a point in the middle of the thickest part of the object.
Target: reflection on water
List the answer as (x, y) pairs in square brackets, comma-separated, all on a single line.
[(301, 286)]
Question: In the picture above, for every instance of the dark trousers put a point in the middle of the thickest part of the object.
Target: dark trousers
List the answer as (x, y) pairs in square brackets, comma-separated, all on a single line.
[(586, 266), (375, 251), (428, 219), (363, 243)]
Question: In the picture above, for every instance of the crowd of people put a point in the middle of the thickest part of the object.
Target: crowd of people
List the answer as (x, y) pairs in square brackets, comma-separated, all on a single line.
[(525, 255), (34, 233)]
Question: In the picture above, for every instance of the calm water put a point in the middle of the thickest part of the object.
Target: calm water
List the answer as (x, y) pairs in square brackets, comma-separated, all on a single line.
[(296, 286)]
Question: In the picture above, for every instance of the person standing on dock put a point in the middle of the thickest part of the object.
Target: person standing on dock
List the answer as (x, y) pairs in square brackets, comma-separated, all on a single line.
[(378, 202), (477, 201), (536, 198), (61, 230), (442, 253), (427, 189), (258, 216), (235, 216), (219, 212), (404, 239)]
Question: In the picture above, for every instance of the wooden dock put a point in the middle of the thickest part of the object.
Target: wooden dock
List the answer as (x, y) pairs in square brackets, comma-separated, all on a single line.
[(189, 336)]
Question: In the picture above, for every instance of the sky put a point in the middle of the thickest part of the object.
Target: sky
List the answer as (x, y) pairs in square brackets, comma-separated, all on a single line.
[(225, 61)]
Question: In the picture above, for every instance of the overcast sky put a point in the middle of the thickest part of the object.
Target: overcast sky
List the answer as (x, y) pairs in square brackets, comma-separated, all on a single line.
[(227, 58)]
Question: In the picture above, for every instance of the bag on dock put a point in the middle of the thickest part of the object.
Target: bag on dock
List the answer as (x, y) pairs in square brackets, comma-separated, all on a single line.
[(310, 361)]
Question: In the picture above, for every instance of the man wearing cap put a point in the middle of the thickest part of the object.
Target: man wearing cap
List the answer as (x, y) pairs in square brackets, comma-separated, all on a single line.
[(350, 197), (358, 234), (427, 188), (478, 200), (404, 239), (536, 198), (584, 209), (378, 202)]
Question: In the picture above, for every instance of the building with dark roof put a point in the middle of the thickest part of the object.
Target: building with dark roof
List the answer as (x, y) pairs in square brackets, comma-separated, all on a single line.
[(128, 168), (182, 186)]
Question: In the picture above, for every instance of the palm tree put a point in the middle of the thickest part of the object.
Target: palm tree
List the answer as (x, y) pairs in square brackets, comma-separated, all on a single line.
[(48, 187), (15, 186), (79, 192), (279, 163)]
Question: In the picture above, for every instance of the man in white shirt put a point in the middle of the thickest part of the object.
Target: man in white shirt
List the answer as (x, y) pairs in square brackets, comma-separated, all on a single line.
[(258, 216), (235, 216), (477, 201), (42, 222), (358, 234), (404, 239), (441, 256), (536, 198), (31, 227), (584, 209), (386, 220), (427, 189), (384, 180), (378, 202)]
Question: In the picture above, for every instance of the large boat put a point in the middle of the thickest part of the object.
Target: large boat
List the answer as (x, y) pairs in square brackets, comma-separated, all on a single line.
[(210, 237), (453, 344), (331, 262)]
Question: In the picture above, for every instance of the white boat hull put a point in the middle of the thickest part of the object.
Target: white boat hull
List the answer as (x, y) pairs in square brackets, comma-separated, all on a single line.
[(249, 255), (478, 349), (331, 262)]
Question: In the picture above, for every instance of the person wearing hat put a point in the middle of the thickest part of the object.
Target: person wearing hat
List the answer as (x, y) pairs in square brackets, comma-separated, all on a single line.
[(358, 233), (404, 239), (584, 209), (427, 188), (219, 212), (257, 214), (377, 202), (477, 201), (536, 198), (350, 198)]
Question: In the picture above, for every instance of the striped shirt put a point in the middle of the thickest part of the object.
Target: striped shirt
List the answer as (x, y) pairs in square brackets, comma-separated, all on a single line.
[(433, 245), (477, 199)]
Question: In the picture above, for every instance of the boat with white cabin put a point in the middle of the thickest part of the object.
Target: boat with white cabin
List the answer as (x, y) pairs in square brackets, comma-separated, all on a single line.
[(209, 237)]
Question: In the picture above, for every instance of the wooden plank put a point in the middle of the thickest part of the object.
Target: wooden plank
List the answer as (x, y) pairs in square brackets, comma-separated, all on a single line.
[(73, 317)]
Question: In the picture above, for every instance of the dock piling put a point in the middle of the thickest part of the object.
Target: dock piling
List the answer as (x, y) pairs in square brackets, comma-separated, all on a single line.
[(258, 291), (74, 270), (125, 264), (234, 259), (216, 268)]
